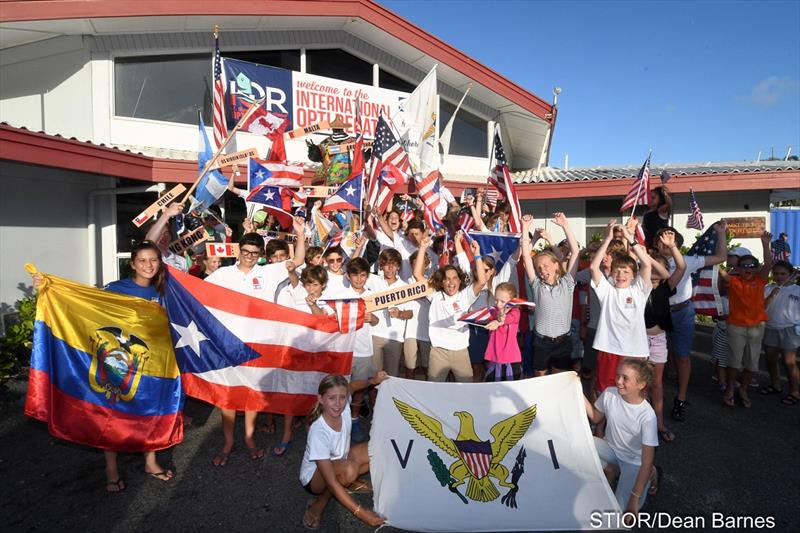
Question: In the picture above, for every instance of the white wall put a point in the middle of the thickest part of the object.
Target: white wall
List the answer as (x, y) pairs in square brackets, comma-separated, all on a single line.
[(43, 219)]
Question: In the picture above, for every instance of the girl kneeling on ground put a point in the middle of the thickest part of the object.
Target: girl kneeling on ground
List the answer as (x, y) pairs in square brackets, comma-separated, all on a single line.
[(330, 467)]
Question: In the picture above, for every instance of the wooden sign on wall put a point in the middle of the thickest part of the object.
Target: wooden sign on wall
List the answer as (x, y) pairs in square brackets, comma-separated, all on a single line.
[(747, 227)]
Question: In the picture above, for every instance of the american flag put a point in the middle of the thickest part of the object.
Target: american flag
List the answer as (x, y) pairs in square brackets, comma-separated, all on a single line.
[(220, 127), (501, 179), (640, 191), (480, 317), (519, 302), (465, 220), (491, 197), (695, 220), (705, 294), (406, 211), (385, 149)]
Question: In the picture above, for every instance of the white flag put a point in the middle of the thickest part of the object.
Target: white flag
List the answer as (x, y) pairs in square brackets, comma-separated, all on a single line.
[(504, 456), (447, 132), (417, 125)]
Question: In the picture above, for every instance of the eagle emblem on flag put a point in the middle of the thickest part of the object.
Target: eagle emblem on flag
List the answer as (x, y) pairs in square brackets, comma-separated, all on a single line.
[(477, 461), (117, 363)]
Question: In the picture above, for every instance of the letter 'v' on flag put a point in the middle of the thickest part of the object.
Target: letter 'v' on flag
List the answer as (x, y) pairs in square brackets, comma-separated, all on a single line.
[(103, 371)]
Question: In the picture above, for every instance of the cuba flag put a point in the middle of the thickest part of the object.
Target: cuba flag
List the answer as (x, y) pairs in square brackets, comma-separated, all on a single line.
[(103, 372)]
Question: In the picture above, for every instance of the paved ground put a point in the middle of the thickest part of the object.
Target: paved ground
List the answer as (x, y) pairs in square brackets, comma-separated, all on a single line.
[(732, 461)]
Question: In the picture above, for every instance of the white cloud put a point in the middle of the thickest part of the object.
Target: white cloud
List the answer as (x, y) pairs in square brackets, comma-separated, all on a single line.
[(769, 92)]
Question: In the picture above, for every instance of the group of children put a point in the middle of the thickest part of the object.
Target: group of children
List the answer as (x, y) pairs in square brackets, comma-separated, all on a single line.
[(623, 313)]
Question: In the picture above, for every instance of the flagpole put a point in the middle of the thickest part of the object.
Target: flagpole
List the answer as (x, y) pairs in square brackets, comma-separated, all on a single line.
[(639, 189), (491, 153), (213, 160)]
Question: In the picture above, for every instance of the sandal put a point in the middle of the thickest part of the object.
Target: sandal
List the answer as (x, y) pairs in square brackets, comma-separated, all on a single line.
[(666, 435), (359, 486), (746, 403), (280, 449), (115, 486), (310, 520), (164, 475), (255, 453), (764, 391), (221, 459), (790, 399), (730, 402)]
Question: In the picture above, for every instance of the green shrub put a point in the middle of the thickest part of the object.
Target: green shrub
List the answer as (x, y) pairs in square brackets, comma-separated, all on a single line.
[(15, 347)]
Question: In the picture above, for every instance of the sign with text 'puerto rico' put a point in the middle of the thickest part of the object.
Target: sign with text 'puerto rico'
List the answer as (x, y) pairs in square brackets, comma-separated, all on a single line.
[(307, 99)]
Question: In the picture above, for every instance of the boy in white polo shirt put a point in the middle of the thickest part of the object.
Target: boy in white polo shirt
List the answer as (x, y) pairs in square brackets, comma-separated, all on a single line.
[(449, 337), (388, 334)]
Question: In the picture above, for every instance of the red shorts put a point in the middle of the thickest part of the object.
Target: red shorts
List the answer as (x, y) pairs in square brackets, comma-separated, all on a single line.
[(607, 364)]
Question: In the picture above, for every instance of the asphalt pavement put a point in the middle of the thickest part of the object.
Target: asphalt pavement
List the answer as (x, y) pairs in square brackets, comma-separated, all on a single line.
[(736, 462)]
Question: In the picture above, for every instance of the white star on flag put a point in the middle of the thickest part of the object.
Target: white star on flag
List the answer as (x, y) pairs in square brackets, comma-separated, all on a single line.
[(190, 336), (269, 195), (495, 254), (350, 191), (260, 173)]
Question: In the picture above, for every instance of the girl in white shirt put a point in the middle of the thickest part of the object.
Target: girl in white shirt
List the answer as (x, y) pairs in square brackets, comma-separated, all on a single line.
[(330, 466), (629, 448), (782, 332)]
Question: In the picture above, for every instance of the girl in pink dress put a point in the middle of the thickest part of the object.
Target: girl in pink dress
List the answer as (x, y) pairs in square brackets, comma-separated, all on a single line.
[(503, 358)]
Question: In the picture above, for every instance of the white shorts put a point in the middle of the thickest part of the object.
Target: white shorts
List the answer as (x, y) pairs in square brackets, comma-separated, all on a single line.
[(658, 347)]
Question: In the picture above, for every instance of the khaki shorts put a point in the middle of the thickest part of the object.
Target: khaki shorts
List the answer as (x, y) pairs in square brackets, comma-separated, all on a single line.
[(416, 353), (443, 361), (387, 355), (363, 368), (744, 346)]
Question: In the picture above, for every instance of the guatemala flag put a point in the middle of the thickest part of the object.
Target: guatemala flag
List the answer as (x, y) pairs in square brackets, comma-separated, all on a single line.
[(213, 185), (240, 352), (500, 246)]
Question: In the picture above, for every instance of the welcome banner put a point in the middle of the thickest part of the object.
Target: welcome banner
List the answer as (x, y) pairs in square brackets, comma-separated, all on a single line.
[(486, 456), (305, 98)]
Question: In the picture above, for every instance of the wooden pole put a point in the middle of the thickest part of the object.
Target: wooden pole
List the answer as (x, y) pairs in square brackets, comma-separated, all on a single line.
[(213, 160)]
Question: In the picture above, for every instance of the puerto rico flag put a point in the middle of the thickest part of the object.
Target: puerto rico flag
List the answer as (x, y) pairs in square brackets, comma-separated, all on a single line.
[(347, 196), (481, 317), (519, 302), (239, 352), (271, 199), (261, 172)]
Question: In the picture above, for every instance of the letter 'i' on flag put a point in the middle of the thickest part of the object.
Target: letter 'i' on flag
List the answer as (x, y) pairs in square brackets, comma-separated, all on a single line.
[(220, 127), (705, 295), (244, 353), (640, 190), (695, 220), (103, 371), (500, 177)]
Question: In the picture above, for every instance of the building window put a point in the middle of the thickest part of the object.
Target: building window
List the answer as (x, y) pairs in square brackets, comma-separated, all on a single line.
[(288, 59), (339, 65), (469, 131), (598, 213), (387, 80), (166, 88)]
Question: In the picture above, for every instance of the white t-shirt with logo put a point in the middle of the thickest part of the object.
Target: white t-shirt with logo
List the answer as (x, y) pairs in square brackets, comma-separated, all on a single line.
[(629, 427), (388, 327), (444, 330), (262, 281), (620, 328), (784, 309), (295, 297), (325, 443)]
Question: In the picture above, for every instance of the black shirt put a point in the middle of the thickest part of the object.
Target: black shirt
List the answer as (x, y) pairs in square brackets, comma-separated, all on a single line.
[(656, 312), (651, 223)]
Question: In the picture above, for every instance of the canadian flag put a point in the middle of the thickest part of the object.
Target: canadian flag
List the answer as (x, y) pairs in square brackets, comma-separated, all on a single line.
[(222, 249)]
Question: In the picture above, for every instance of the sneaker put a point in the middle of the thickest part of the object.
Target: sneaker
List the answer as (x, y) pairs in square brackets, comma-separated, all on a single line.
[(679, 410), (357, 434)]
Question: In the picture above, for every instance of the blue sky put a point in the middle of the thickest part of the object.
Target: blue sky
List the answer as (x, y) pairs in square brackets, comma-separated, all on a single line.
[(694, 81)]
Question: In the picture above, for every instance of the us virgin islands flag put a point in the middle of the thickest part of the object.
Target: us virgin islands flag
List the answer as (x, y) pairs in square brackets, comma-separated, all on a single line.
[(103, 372), (510, 456)]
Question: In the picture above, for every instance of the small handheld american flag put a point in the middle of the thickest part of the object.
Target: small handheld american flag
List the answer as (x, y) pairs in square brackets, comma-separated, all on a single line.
[(640, 190), (695, 220), (220, 126)]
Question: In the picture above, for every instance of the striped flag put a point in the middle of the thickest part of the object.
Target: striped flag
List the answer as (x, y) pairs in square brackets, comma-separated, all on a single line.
[(501, 178), (465, 220), (349, 313), (240, 352), (406, 211), (392, 182), (264, 172), (432, 219), (705, 295), (640, 191), (220, 126), (491, 197), (481, 317), (428, 189), (385, 149), (519, 302), (695, 220)]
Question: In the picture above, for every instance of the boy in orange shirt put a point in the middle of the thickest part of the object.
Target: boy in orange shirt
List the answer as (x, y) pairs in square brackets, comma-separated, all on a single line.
[(746, 319)]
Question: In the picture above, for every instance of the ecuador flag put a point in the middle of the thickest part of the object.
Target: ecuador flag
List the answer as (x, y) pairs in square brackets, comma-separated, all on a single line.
[(103, 371)]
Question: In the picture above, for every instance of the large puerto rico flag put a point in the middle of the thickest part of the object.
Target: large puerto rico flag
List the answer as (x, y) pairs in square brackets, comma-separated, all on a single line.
[(243, 353), (509, 456)]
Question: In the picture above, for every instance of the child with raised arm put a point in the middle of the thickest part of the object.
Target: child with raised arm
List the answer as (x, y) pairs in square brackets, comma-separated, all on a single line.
[(453, 297), (552, 288), (621, 329), (746, 319), (331, 467)]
